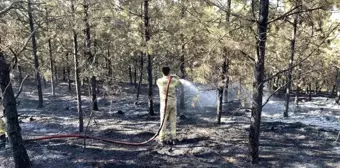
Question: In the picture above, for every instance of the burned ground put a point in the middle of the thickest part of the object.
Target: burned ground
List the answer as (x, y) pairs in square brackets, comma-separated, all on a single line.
[(202, 142)]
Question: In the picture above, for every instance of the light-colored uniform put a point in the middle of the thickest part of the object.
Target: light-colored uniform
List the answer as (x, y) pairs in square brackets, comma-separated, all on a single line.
[(2, 122), (171, 110), (2, 127)]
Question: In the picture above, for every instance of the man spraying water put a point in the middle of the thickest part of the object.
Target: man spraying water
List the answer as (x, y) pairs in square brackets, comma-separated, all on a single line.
[(171, 110)]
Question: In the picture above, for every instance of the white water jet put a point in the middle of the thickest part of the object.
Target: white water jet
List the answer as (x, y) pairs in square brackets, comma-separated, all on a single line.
[(195, 97)]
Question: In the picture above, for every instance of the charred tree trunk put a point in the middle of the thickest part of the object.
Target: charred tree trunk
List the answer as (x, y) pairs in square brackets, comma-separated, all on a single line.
[(21, 158), (290, 66), (35, 56), (76, 71), (64, 74), (149, 57), (140, 75), (68, 73), (51, 65), (20, 74), (226, 62), (336, 84), (310, 91), (109, 64), (94, 93), (50, 54), (141, 67), (220, 102), (56, 76), (135, 74), (297, 91), (223, 88), (182, 62), (130, 74), (256, 109), (88, 54)]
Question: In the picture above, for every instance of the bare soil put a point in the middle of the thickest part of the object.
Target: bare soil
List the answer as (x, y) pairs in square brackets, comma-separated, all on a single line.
[(202, 142)]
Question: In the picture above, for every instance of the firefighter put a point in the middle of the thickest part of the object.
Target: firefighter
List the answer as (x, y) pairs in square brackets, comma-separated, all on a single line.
[(2, 128), (2, 133), (171, 111)]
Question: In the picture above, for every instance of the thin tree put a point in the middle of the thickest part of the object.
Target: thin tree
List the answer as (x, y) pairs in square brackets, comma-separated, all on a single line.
[(35, 55), (88, 54), (182, 60), (290, 66), (149, 57), (50, 53), (68, 70), (141, 66), (223, 86), (76, 69), (256, 109)]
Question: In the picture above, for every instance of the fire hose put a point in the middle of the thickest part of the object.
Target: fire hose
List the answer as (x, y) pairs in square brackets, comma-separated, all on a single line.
[(110, 140)]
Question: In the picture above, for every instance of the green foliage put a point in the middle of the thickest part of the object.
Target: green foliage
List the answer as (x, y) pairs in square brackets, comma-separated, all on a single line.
[(197, 29)]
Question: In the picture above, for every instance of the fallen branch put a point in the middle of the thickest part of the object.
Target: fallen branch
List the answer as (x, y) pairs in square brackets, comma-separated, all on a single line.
[(20, 88)]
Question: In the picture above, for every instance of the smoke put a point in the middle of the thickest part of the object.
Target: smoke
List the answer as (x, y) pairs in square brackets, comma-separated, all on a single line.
[(206, 96)]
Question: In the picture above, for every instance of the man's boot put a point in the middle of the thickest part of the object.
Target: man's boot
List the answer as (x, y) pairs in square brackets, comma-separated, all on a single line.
[(2, 141)]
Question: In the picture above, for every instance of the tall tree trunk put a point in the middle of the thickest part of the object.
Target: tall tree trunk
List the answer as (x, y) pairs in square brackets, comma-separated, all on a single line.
[(76, 71), (68, 73), (141, 68), (64, 74), (310, 91), (21, 158), (130, 74), (50, 54), (51, 65), (290, 66), (88, 54), (298, 88), (223, 87), (336, 83), (256, 109), (219, 102), (182, 61), (109, 64), (20, 73), (56, 76), (156, 76), (34, 52), (149, 57), (135, 73), (140, 75), (226, 62), (94, 93)]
